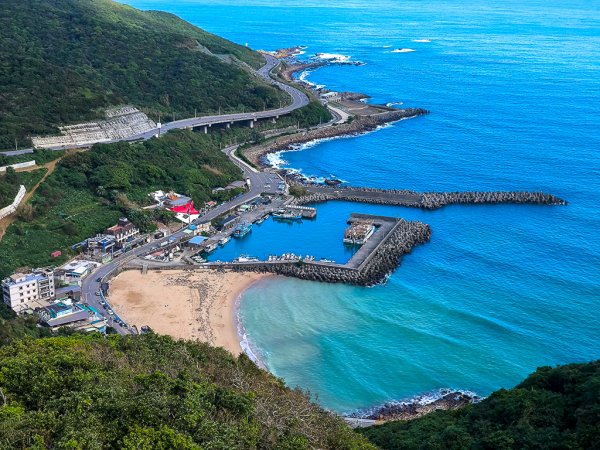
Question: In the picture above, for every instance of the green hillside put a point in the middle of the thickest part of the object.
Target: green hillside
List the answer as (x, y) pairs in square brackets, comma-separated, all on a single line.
[(150, 392), (64, 61), (554, 408)]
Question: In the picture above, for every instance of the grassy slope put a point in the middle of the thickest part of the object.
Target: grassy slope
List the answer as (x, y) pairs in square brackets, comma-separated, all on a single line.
[(63, 61), (554, 408), (151, 392)]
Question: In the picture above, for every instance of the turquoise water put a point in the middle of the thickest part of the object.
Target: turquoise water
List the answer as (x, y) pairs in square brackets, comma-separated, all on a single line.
[(513, 90)]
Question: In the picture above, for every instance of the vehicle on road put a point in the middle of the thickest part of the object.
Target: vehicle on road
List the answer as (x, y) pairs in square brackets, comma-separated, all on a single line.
[(98, 280)]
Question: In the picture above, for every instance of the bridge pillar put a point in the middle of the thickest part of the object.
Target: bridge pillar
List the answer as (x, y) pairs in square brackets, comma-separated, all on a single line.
[(229, 125), (251, 123), (205, 129), (274, 120)]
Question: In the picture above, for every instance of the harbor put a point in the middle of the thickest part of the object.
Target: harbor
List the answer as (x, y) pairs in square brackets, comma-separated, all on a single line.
[(379, 255)]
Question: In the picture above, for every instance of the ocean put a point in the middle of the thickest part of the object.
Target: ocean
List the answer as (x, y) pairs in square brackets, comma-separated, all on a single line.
[(513, 88)]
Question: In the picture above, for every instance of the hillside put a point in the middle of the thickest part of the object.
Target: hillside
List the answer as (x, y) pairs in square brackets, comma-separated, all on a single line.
[(89, 191), (150, 392), (65, 61), (554, 408)]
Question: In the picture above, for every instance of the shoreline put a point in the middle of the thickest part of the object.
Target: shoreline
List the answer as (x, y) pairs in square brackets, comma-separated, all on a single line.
[(246, 345), (199, 305), (417, 406), (359, 126)]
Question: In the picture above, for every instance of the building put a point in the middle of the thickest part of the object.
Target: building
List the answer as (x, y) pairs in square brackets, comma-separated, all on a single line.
[(75, 315), (122, 231), (330, 96), (181, 205), (75, 271), (22, 290), (196, 241)]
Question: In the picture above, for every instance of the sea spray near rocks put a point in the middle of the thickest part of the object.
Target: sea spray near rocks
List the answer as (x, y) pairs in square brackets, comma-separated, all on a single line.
[(418, 406)]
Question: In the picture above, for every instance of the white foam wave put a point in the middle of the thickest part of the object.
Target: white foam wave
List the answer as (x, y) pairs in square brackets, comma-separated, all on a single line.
[(387, 46), (422, 40), (403, 50), (421, 400), (304, 78), (275, 160), (390, 104), (333, 57)]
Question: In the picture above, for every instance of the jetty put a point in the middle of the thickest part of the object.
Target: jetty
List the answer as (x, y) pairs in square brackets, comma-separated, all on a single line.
[(425, 200)]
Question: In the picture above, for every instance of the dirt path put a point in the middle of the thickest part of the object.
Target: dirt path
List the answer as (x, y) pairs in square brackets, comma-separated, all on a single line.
[(51, 166)]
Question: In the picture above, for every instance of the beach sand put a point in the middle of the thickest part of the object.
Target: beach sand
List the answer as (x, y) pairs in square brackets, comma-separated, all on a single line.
[(195, 305)]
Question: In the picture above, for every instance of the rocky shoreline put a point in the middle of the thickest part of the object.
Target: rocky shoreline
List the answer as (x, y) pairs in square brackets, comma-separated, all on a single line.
[(358, 126), (418, 407)]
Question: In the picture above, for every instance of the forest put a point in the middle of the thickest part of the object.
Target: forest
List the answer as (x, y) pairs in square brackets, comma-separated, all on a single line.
[(553, 408), (151, 392)]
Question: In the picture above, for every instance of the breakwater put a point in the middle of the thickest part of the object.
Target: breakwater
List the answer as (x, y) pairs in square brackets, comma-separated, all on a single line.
[(402, 238), (359, 125), (425, 200)]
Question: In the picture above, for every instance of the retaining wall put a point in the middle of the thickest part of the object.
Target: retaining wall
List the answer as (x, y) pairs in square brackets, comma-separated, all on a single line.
[(12, 208)]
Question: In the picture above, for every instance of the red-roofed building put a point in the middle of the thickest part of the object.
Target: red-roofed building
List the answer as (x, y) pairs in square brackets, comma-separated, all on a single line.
[(188, 208), (123, 230)]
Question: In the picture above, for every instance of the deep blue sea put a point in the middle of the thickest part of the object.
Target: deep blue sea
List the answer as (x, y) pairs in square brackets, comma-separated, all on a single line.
[(514, 89)]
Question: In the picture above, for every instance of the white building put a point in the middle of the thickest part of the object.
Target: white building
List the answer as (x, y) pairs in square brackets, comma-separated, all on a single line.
[(75, 271), (22, 290)]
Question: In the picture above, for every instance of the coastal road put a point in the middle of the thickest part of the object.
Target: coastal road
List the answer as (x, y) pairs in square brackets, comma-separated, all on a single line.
[(299, 99)]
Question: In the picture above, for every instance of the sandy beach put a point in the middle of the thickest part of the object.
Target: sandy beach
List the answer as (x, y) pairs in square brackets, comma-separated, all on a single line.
[(196, 305)]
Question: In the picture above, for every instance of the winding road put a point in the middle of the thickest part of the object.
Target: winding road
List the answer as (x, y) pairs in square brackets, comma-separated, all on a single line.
[(299, 99)]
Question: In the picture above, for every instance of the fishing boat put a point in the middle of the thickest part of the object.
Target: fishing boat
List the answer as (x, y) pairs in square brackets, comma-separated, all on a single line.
[(242, 230), (210, 248), (286, 215), (224, 240), (358, 233), (245, 258)]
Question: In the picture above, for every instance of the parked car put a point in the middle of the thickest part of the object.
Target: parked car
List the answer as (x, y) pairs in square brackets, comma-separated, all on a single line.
[(97, 293), (98, 280)]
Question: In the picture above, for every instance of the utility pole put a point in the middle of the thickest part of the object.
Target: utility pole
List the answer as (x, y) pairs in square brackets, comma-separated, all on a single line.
[(194, 113)]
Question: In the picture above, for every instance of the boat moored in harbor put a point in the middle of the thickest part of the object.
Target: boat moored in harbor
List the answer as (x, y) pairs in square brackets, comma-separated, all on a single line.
[(224, 240), (358, 233), (242, 230), (286, 215)]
